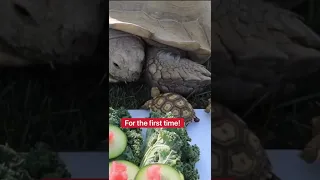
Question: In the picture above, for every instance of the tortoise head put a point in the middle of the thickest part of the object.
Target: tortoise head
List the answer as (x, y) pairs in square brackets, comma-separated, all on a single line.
[(146, 105), (126, 57), (155, 92)]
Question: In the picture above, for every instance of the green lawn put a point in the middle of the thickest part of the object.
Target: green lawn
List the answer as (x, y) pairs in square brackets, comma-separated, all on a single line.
[(67, 108), (133, 95)]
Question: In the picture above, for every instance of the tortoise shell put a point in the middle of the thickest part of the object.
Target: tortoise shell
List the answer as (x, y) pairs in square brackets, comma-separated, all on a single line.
[(236, 151), (174, 103)]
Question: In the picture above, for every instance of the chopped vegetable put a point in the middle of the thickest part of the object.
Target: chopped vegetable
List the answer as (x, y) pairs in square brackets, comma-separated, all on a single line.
[(153, 172), (118, 171), (111, 137), (122, 170), (133, 152), (171, 146), (118, 142), (168, 147), (158, 172)]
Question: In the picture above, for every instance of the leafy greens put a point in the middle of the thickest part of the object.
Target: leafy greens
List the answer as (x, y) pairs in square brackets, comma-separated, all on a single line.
[(170, 146)]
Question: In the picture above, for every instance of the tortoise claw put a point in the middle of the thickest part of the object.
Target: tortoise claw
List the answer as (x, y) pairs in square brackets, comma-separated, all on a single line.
[(196, 119)]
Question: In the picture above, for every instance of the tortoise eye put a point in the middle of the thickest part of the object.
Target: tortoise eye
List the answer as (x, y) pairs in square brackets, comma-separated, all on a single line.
[(116, 65)]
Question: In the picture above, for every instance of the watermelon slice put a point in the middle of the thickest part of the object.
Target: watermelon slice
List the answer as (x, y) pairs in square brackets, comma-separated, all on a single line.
[(117, 141), (158, 172), (118, 171), (111, 137), (122, 170), (153, 173)]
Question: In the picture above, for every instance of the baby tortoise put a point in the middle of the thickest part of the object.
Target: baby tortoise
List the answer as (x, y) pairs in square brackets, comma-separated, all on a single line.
[(171, 102), (311, 152), (237, 152)]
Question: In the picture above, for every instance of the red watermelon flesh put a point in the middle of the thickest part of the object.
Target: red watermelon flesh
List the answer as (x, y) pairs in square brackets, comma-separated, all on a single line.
[(111, 137), (118, 171), (153, 172)]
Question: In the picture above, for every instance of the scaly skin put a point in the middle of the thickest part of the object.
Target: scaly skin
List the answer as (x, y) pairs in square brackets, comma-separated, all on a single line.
[(170, 72), (154, 93), (166, 68), (126, 56)]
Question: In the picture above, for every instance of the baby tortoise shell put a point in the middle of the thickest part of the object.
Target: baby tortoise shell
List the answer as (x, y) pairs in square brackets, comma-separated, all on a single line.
[(236, 151), (171, 102)]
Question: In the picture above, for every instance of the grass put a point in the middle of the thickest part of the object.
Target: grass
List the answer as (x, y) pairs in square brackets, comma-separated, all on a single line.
[(286, 124), (283, 127), (67, 108), (133, 96)]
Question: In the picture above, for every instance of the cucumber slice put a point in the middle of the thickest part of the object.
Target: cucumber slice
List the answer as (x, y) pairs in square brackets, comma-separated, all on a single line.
[(129, 168), (118, 143), (166, 172), (181, 175)]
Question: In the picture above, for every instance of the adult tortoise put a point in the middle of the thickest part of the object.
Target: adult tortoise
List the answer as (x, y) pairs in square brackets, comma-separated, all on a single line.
[(178, 38), (255, 46), (237, 152)]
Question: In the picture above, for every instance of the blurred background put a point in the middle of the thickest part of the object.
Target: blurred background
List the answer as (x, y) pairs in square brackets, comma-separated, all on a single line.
[(67, 106)]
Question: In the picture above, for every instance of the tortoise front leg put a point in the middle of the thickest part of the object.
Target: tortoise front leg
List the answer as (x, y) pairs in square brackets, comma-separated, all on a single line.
[(170, 72)]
